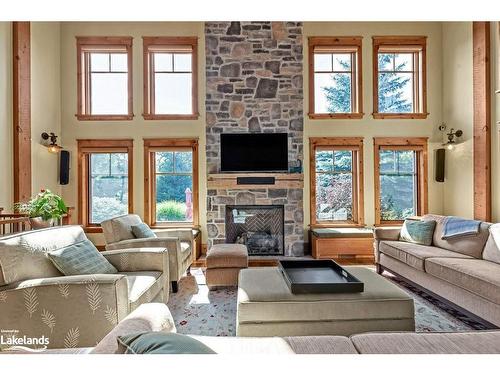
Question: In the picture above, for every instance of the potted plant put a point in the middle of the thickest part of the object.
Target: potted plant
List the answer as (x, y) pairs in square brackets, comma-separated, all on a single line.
[(43, 210)]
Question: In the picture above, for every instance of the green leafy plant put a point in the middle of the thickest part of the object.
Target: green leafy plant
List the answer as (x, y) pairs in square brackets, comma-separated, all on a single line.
[(171, 211), (45, 204)]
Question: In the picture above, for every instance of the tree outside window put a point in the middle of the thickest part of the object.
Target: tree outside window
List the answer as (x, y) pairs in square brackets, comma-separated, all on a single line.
[(336, 181), (108, 190), (398, 184), (400, 178), (335, 89), (334, 185), (399, 77), (174, 186)]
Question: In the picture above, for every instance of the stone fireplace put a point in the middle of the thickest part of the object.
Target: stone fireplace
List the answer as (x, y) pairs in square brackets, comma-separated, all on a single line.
[(260, 228), (254, 84)]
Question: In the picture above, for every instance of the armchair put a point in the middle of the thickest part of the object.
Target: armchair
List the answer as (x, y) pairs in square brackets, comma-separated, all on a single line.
[(179, 243), (73, 311)]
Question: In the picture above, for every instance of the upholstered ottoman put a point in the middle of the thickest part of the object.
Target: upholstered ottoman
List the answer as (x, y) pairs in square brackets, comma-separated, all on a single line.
[(266, 307), (224, 262)]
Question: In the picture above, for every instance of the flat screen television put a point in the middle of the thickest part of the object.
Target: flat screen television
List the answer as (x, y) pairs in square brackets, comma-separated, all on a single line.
[(254, 152)]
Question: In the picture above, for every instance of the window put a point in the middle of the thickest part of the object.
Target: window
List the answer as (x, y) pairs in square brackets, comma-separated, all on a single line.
[(336, 181), (400, 179), (399, 77), (104, 180), (171, 182), (335, 79), (170, 78), (104, 68)]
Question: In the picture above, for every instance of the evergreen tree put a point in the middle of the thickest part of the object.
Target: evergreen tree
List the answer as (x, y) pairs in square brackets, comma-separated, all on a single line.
[(339, 94), (390, 94), (391, 87)]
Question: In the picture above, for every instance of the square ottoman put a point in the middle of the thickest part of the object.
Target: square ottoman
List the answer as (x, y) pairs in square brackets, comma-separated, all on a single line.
[(224, 262), (266, 307)]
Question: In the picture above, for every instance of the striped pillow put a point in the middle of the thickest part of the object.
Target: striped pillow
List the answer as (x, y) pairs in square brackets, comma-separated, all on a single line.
[(81, 258)]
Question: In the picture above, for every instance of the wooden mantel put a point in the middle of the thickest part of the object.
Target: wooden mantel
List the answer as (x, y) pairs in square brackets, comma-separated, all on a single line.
[(282, 181)]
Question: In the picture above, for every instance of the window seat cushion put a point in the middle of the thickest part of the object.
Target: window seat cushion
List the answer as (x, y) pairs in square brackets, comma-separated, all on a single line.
[(342, 232)]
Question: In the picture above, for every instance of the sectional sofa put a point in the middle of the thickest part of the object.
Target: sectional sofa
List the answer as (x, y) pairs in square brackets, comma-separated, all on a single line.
[(156, 317), (464, 271)]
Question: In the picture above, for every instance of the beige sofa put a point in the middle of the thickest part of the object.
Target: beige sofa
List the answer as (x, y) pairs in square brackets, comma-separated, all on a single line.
[(156, 317), (179, 242), (464, 271), (73, 311)]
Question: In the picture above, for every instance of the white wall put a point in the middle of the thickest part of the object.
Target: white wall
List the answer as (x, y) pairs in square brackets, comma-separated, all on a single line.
[(6, 187), (368, 127), (45, 103), (495, 120), (457, 114), (138, 128)]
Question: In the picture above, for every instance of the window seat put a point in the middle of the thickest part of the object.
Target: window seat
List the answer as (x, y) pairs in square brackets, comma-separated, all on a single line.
[(328, 243)]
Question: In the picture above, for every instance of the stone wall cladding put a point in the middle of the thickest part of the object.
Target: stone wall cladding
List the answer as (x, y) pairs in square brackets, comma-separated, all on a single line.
[(254, 84), (290, 198)]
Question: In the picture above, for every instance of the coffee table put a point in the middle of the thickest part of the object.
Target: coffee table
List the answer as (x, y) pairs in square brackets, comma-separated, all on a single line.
[(266, 307)]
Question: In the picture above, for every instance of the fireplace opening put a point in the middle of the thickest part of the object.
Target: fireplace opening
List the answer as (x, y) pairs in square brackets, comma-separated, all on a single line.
[(260, 228)]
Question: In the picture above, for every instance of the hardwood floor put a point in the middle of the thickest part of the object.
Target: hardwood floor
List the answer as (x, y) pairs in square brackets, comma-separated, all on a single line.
[(273, 261)]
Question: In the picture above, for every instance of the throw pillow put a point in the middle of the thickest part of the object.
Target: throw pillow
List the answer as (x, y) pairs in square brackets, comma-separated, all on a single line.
[(161, 343), (81, 258), (142, 230), (419, 232)]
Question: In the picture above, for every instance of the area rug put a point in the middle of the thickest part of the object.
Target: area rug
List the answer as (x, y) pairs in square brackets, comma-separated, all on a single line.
[(196, 310)]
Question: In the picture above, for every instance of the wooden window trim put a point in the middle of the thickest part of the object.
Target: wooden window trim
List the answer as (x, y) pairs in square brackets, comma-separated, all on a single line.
[(85, 147), (350, 143), (83, 93), (352, 42), (150, 146), (418, 144), (148, 90), (420, 91)]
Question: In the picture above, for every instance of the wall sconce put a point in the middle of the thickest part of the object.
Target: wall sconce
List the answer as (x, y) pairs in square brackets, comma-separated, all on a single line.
[(452, 135), (52, 147)]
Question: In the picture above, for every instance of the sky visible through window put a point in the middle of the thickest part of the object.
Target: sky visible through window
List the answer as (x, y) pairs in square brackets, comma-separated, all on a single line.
[(173, 83), (333, 82), (395, 82), (108, 84)]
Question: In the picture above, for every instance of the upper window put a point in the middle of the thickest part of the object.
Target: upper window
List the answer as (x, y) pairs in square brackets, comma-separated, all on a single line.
[(399, 79), (335, 84), (104, 180), (170, 78), (336, 181), (104, 68), (400, 178), (171, 183)]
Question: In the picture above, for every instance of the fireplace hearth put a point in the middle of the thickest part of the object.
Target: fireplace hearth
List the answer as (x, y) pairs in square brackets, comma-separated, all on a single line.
[(259, 227)]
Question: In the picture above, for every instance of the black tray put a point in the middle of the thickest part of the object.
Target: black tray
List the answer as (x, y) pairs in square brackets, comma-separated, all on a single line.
[(318, 276)]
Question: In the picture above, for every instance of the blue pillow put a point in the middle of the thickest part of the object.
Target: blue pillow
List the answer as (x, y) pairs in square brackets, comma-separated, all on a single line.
[(81, 258), (419, 232), (161, 343), (142, 231)]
